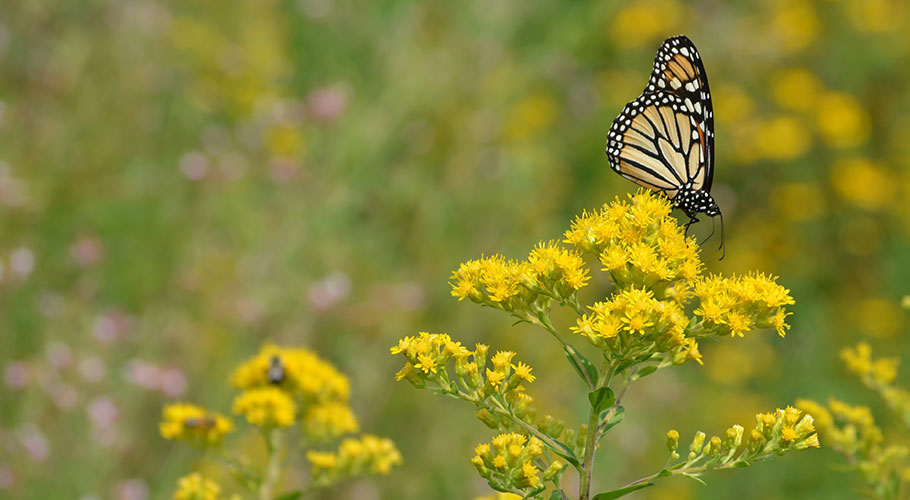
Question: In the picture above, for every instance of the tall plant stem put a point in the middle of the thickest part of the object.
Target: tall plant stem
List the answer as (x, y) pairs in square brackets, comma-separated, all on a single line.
[(273, 444)]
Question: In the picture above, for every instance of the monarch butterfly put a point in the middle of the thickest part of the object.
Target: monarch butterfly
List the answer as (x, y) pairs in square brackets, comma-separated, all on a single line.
[(664, 139)]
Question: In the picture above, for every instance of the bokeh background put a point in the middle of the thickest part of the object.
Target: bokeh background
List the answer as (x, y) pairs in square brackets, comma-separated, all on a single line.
[(183, 180)]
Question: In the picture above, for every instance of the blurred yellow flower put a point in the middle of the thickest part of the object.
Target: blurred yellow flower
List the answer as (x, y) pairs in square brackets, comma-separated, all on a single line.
[(782, 138), (530, 117), (266, 407), (196, 487), (797, 201), (367, 455), (285, 140), (299, 371), (795, 24), (732, 103), (796, 88), (876, 16), (329, 420), (644, 22), (878, 317), (863, 183), (841, 120), (194, 424)]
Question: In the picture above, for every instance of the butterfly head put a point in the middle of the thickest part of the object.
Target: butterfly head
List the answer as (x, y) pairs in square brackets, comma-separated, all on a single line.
[(695, 201)]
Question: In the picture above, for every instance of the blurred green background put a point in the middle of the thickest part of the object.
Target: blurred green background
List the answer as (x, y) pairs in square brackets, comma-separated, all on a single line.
[(183, 180)]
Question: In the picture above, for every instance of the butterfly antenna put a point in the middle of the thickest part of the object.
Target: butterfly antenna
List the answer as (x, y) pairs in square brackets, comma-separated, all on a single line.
[(713, 227), (722, 246)]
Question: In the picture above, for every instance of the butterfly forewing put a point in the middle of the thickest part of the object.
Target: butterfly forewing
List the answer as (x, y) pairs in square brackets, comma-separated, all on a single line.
[(655, 142), (678, 70)]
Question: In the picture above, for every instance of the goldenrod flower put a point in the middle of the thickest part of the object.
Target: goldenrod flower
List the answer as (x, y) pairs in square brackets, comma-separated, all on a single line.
[(329, 420), (734, 306), (638, 243), (196, 487), (266, 407), (367, 455), (508, 462), (302, 373), (194, 425)]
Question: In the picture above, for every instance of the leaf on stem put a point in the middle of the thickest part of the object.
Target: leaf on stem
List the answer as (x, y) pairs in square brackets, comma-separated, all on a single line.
[(601, 399), (610, 495), (586, 370)]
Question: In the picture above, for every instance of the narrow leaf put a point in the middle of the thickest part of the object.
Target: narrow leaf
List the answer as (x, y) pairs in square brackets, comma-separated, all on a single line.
[(610, 495), (293, 495), (644, 372), (586, 370), (741, 464), (614, 420)]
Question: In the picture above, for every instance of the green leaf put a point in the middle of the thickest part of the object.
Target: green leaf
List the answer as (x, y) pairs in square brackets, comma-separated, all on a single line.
[(601, 398), (644, 372), (558, 495), (610, 495), (293, 495), (587, 371), (497, 486), (566, 453), (614, 420), (695, 477), (741, 464)]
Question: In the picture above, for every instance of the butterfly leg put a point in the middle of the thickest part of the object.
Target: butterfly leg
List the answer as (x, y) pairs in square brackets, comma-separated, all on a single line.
[(693, 220)]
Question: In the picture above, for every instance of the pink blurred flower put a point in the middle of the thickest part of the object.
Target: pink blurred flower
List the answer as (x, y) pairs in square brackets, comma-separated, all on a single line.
[(16, 375), (7, 477), (92, 369), (329, 291), (102, 412), (111, 326), (65, 396), (87, 250), (22, 262), (173, 382), (145, 375), (34, 442), (327, 104), (194, 166), (283, 170), (132, 489), (59, 354)]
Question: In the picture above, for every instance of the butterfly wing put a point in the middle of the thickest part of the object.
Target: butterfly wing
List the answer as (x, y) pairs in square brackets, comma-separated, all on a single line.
[(655, 142), (678, 70)]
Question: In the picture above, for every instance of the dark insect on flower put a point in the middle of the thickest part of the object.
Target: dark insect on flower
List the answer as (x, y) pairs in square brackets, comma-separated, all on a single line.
[(276, 370), (201, 423), (664, 139)]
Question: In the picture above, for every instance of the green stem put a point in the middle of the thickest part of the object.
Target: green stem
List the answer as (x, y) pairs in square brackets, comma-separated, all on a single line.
[(584, 487), (273, 445)]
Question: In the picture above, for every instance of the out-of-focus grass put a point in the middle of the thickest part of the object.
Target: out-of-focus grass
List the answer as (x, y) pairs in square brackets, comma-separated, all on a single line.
[(182, 180)]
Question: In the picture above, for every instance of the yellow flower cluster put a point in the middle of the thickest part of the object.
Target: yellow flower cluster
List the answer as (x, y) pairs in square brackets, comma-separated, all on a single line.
[(774, 433), (194, 425), (298, 371), (428, 355), (860, 363), (283, 384), (329, 420), (633, 321), (354, 457), (510, 463), (639, 244), (266, 407), (852, 432), (740, 304), (550, 272), (196, 487)]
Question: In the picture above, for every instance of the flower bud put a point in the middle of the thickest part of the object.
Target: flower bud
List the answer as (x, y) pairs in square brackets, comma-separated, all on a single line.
[(553, 470), (672, 440)]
